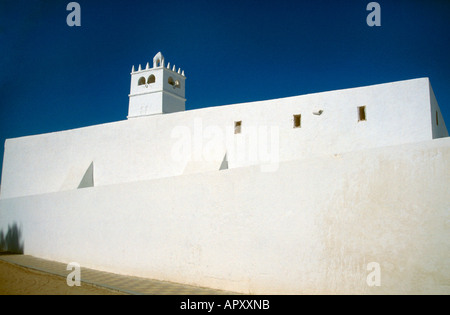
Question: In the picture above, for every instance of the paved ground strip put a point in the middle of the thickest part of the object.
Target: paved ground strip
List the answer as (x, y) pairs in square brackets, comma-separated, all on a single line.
[(121, 283)]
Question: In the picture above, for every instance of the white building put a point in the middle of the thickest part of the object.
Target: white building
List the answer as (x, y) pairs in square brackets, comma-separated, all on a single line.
[(292, 195), (156, 90)]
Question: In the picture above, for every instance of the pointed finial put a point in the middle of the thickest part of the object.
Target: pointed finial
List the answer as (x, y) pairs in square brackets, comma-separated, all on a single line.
[(182, 73), (179, 70), (132, 69), (168, 65), (147, 66), (173, 69), (158, 60), (139, 69)]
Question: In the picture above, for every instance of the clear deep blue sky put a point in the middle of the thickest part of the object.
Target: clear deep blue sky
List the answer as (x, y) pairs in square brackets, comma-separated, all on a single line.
[(54, 77)]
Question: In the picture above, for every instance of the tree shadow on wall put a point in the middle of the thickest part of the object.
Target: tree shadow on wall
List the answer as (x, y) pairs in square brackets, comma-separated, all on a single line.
[(11, 242)]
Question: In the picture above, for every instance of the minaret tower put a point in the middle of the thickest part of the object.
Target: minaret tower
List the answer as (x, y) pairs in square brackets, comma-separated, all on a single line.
[(156, 90)]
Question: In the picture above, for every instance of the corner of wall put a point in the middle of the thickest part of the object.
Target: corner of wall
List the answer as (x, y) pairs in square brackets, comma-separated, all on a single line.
[(3, 168), (438, 127)]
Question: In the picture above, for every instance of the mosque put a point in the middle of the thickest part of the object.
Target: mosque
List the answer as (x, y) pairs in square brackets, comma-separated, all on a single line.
[(285, 196)]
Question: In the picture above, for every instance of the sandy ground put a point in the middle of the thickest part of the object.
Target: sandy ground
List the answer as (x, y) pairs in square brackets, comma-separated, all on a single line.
[(16, 280)]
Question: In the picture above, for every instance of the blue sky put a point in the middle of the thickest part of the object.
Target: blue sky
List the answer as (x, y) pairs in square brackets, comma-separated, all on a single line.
[(54, 77)]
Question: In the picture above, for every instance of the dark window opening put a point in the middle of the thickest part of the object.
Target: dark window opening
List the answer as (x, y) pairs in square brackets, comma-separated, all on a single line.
[(237, 127), (297, 121), (362, 113), (141, 81)]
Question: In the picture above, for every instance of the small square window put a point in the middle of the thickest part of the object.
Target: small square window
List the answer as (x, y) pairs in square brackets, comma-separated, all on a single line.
[(361, 113), (297, 121), (237, 127)]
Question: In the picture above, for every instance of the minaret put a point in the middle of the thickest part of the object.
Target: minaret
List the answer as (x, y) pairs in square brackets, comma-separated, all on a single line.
[(156, 90)]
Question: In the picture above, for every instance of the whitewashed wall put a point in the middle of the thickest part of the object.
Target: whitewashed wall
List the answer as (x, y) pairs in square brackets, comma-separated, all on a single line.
[(149, 147), (310, 227)]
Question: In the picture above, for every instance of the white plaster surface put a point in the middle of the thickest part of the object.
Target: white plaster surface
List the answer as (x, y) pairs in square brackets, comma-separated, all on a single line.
[(148, 147), (335, 195), (310, 227)]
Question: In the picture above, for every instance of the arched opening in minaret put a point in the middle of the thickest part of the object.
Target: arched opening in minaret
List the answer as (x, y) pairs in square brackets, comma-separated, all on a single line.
[(158, 63), (141, 81), (171, 81), (151, 79)]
